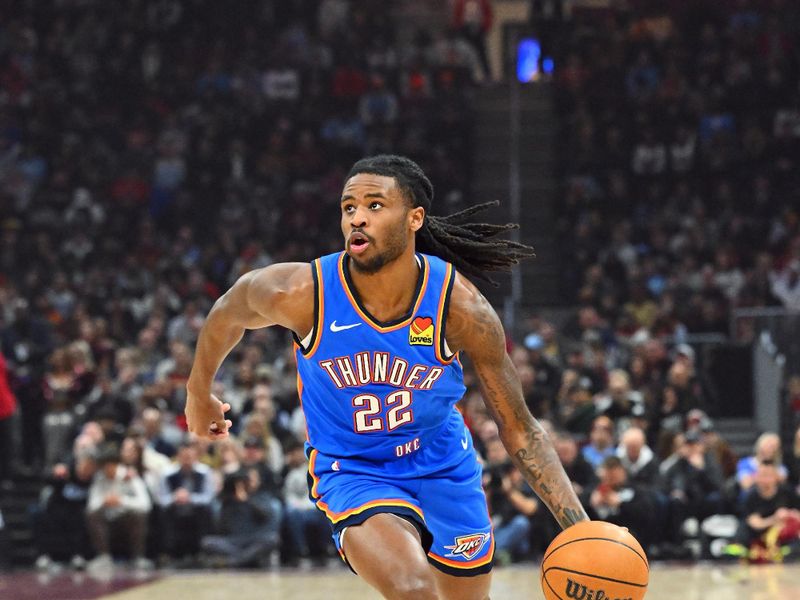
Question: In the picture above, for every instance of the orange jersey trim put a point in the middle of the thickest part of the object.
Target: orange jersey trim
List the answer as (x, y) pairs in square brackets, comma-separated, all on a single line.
[(478, 562), (312, 461), (368, 319), (320, 316), (439, 341), (335, 517), (299, 386)]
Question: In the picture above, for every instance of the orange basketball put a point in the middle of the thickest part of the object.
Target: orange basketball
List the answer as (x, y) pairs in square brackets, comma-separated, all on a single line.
[(595, 560)]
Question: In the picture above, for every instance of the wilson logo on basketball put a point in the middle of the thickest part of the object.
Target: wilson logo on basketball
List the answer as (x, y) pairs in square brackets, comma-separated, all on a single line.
[(468, 546), (578, 591), (420, 333)]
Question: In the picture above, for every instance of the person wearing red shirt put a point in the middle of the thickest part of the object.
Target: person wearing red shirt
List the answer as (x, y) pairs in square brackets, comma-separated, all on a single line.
[(8, 406), (473, 20)]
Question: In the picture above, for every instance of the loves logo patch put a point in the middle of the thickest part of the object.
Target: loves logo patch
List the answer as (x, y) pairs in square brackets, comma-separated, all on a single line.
[(420, 332)]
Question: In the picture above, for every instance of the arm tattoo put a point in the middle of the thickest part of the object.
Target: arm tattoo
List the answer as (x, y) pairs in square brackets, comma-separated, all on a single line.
[(571, 516), (541, 467), (481, 335)]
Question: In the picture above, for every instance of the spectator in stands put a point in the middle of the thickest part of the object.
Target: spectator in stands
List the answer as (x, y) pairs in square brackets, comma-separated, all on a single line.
[(152, 423), (692, 478), (91, 437), (240, 540), (26, 342), (82, 364), (786, 285), (589, 375), (132, 455), (151, 463), (514, 505), (576, 409), (8, 407), (230, 453), (262, 404), (669, 417), (185, 327), (601, 441), (536, 402), (473, 20), (118, 506), (108, 397), (186, 493), (579, 471), (60, 522), (767, 449), (113, 430), (681, 378), (719, 448), (618, 400), (173, 374), (770, 516), (638, 459), (616, 500), (547, 373), (149, 354), (265, 484), (238, 387)]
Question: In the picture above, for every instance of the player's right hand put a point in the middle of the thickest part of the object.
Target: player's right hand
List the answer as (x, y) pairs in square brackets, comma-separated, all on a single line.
[(205, 417)]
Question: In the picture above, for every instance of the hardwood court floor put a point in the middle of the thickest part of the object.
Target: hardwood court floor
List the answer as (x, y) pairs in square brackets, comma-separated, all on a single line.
[(698, 582)]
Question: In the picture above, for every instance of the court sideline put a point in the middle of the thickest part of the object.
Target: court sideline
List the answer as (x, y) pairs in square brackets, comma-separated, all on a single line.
[(697, 582)]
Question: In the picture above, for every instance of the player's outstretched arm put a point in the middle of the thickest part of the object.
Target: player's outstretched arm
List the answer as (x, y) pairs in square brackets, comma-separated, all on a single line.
[(473, 326), (281, 294)]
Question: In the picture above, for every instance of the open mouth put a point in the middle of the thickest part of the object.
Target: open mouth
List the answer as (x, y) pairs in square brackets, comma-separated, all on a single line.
[(358, 242)]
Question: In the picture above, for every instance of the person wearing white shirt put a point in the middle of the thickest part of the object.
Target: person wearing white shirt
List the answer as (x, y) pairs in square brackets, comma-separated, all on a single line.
[(118, 504)]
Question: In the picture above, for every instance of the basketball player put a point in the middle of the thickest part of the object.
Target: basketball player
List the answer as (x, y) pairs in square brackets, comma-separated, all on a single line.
[(378, 331)]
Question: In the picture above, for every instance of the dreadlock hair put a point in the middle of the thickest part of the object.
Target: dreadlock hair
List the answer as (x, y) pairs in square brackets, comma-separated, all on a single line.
[(451, 238)]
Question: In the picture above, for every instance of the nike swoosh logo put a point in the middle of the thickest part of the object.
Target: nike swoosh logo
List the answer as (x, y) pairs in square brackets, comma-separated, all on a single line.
[(335, 327), (465, 442)]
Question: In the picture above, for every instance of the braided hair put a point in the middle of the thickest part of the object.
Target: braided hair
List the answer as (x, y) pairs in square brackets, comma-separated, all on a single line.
[(451, 238)]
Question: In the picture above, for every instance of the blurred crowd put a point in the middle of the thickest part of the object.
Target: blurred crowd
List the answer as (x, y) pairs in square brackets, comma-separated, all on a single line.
[(627, 423), (152, 152), (680, 160), (680, 200)]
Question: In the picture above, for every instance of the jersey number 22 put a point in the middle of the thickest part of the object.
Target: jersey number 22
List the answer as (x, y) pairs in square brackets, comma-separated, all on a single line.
[(367, 418)]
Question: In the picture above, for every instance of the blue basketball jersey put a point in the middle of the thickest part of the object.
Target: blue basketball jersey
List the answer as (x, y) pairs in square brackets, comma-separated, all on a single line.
[(382, 395)]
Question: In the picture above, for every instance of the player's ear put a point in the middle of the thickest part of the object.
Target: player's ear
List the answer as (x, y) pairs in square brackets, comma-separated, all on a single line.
[(416, 217)]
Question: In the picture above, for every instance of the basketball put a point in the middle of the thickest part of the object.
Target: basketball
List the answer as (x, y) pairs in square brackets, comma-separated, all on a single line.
[(595, 560)]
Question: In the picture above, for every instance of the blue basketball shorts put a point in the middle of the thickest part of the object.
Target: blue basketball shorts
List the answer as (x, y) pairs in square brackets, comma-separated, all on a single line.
[(448, 508)]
